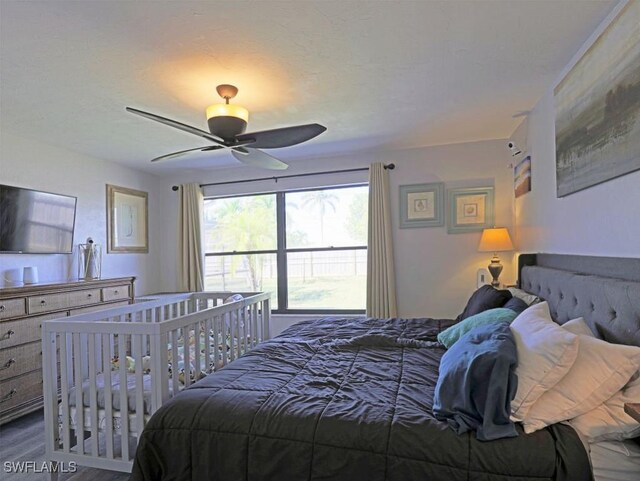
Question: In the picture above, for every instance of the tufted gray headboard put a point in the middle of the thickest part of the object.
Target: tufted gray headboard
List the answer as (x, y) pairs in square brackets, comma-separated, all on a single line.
[(604, 291)]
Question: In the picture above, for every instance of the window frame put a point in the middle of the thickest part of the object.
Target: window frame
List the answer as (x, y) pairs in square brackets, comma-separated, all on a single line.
[(281, 250)]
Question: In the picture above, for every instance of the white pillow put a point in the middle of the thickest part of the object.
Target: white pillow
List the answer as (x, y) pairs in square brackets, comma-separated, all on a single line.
[(527, 297), (578, 326), (546, 352), (601, 369), (609, 421)]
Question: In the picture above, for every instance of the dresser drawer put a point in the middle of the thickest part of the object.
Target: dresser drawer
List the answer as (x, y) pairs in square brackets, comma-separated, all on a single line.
[(64, 300), (83, 298), (12, 308), (20, 359), (47, 302), (20, 331), (115, 293), (21, 389)]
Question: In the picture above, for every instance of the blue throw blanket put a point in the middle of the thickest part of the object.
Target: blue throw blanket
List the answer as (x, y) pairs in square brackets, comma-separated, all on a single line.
[(477, 383)]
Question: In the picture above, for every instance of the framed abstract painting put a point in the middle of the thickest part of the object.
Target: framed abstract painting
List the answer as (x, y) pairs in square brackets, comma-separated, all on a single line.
[(598, 109)]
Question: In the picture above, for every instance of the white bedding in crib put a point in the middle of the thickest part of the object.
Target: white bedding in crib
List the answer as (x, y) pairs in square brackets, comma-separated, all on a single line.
[(101, 418), (115, 392)]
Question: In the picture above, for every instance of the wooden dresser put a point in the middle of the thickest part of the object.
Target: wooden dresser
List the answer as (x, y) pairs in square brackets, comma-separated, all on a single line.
[(22, 310)]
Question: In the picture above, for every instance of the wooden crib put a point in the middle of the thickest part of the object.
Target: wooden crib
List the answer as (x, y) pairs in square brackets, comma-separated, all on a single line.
[(158, 345)]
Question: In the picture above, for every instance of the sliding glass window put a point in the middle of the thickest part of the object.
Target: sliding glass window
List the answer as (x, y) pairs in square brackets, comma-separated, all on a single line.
[(308, 248)]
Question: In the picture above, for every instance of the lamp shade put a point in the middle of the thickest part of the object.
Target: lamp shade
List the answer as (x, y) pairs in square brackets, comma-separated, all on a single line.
[(495, 240)]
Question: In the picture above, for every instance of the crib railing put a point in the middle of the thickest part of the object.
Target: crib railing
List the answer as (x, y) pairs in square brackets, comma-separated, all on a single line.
[(106, 372)]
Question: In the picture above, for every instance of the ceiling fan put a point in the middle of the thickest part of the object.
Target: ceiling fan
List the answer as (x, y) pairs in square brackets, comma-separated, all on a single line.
[(227, 124)]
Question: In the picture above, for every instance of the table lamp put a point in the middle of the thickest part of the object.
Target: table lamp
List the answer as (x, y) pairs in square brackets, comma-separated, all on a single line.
[(495, 240)]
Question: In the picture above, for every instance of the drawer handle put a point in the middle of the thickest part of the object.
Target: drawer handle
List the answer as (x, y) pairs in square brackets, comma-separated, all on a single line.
[(89, 295), (8, 334), (116, 291), (8, 364), (12, 393), (43, 302), (2, 308)]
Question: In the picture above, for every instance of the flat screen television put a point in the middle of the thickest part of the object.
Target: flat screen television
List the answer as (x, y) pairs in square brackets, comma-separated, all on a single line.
[(34, 222)]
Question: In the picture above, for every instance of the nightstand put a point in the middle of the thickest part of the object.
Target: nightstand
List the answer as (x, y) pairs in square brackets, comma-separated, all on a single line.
[(633, 410)]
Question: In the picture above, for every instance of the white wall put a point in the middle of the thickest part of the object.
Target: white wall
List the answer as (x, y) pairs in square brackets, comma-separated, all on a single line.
[(435, 271), (28, 163), (602, 220)]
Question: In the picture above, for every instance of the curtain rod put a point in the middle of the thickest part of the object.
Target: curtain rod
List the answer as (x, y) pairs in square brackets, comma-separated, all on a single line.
[(276, 178)]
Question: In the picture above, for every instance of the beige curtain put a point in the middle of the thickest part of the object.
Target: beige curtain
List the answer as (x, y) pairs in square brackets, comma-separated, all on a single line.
[(381, 280), (190, 258)]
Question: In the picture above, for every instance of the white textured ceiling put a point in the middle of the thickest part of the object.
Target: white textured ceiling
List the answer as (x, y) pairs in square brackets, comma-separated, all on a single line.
[(377, 74)]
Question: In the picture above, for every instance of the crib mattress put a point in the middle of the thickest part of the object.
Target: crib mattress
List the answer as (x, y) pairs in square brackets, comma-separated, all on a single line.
[(101, 420), (115, 392)]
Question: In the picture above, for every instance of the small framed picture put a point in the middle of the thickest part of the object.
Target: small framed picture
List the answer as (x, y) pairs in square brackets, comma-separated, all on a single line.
[(470, 210), (422, 205), (522, 177), (127, 220)]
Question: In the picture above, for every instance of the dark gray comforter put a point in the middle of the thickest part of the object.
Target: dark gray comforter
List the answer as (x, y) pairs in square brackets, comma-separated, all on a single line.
[(333, 399)]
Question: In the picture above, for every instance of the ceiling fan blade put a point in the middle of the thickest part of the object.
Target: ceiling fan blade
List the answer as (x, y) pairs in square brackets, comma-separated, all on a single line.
[(177, 125), (182, 152), (284, 137), (257, 158)]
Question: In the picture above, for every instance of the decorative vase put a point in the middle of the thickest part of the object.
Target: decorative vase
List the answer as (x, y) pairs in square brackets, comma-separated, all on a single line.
[(89, 261)]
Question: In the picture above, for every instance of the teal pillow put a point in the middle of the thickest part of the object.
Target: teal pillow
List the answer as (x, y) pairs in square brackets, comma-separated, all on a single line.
[(449, 336)]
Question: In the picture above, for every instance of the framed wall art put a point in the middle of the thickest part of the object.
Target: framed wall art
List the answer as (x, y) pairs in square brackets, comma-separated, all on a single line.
[(522, 176), (127, 220), (422, 205), (470, 209), (598, 109)]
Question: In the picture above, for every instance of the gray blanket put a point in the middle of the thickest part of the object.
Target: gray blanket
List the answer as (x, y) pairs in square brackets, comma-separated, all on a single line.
[(299, 408)]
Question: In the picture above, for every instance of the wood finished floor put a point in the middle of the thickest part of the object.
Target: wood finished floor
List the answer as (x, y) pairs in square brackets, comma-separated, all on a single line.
[(23, 440)]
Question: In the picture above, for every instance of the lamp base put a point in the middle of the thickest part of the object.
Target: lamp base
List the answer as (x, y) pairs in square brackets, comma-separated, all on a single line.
[(495, 268)]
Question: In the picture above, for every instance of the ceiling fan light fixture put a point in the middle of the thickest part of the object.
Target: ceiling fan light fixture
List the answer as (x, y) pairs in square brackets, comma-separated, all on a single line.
[(227, 110), (226, 120)]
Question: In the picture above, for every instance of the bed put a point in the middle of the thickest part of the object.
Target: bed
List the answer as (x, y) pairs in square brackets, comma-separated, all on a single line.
[(335, 399)]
